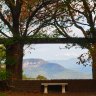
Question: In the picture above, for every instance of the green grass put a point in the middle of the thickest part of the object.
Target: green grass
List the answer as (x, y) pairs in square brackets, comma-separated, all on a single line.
[(2, 94)]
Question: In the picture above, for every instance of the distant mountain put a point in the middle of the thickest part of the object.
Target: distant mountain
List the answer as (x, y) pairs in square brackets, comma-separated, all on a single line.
[(34, 67), (72, 64), (33, 62)]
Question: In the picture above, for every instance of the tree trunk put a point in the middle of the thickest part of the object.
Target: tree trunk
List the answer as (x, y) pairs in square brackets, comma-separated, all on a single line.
[(14, 57), (94, 68), (93, 54)]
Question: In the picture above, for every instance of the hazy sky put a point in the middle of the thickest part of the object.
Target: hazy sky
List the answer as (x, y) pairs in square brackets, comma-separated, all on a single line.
[(52, 52)]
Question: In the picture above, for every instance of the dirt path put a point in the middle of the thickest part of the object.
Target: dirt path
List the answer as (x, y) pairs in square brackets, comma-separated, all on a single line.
[(49, 94)]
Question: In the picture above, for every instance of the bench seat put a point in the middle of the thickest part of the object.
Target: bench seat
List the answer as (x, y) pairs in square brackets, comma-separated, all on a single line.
[(46, 86)]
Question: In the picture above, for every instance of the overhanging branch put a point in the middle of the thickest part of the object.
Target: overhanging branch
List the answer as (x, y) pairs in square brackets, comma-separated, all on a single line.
[(5, 21), (58, 40), (29, 40), (34, 13), (4, 34)]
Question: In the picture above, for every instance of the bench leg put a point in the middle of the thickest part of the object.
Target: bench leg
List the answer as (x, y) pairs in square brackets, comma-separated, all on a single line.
[(63, 89), (45, 89)]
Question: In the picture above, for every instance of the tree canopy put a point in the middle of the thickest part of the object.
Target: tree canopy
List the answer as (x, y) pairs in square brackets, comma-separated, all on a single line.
[(26, 18), (45, 18), (80, 14)]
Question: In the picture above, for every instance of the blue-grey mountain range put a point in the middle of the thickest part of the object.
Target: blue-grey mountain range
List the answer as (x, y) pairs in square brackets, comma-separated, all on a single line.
[(73, 65), (54, 69)]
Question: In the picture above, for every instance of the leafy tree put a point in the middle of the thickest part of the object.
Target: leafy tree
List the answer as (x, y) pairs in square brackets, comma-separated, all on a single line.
[(40, 77), (24, 18), (20, 19), (27, 78), (80, 14)]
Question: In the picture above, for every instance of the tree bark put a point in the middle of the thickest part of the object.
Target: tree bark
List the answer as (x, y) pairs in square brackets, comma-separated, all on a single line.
[(93, 54), (94, 69), (14, 57)]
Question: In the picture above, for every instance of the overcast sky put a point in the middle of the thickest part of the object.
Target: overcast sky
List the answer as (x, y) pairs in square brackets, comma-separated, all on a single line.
[(52, 52)]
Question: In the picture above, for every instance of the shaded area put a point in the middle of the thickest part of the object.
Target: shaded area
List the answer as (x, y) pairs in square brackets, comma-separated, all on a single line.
[(35, 86), (50, 94)]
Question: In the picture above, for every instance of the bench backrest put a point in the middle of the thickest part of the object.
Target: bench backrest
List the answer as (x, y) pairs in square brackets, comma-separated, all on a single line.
[(45, 84)]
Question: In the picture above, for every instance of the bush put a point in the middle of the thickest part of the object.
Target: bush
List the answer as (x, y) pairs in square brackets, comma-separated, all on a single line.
[(40, 77), (3, 75)]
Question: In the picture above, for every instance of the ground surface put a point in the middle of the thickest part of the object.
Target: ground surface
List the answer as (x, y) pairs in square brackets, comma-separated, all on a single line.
[(9, 93)]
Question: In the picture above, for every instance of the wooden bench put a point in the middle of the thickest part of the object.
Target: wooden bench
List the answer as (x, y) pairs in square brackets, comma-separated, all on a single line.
[(46, 86)]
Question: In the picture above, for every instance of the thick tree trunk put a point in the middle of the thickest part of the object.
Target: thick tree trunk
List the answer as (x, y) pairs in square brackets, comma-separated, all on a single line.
[(94, 69), (93, 54), (14, 57)]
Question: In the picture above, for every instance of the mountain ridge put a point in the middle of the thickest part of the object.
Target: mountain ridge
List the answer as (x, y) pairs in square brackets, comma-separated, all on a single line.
[(51, 70)]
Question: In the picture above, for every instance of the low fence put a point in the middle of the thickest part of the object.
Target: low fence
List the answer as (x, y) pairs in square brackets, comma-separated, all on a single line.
[(35, 85)]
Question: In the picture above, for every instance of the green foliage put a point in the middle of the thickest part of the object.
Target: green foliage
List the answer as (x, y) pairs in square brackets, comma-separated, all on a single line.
[(2, 94), (2, 54), (40, 77), (27, 78), (53, 34), (2, 61), (2, 74), (24, 77)]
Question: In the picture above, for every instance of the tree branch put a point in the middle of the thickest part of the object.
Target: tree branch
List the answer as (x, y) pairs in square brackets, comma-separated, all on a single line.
[(63, 32), (36, 30), (5, 22), (88, 14), (10, 4), (41, 26), (81, 23), (77, 10), (93, 7), (84, 32), (4, 34), (94, 19), (59, 31), (33, 14)]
